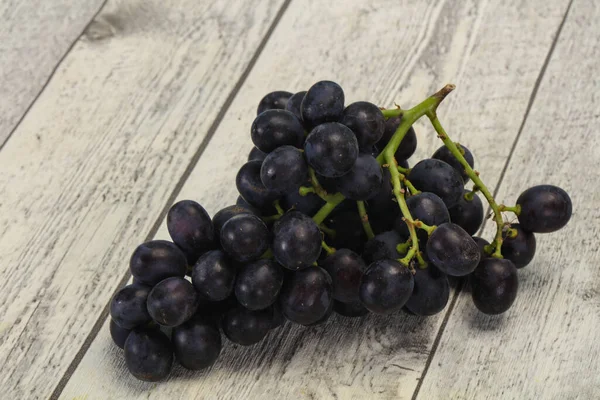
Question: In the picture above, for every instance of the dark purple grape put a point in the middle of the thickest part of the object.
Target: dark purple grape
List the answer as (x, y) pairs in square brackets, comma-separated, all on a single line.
[(520, 249), (225, 214), (363, 181), (444, 154), (331, 149), (366, 121), (325, 317), (438, 177), (246, 327), (273, 101), (402, 163), (240, 201), (494, 285), (309, 204), (349, 231), (274, 128), (408, 145), (452, 250), (306, 296), (284, 170), (431, 292), (258, 284), (296, 241), (386, 286), (128, 306), (119, 335), (213, 276), (256, 155), (197, 343), (468, 214), (294, 104), (252, 189), (383, 246), (350, 310), (427, 208), (153, 261), (245, 237), (191, 229), (172, 302), (382, 202), (323, 102), (346, 269), (148, 354), (544, 209)]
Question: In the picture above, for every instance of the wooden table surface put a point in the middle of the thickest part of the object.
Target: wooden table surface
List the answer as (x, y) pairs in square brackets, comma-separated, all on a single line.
[(111, 110)]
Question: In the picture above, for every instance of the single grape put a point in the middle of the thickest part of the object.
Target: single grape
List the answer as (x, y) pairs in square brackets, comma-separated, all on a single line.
[(427, 208), (452, 250), (252, 189), (284, 170), (119, 335), (520, 249), (256, 155), (408, 145), (386, 286), (364, 179), (346, 269), (544, 209), (349, 231), (273, 101), (323, 102), (468, 214), (245, 237), (148, 354), (191, 229), (325, 317), (172, 301), (384, 246), (331, 149), (153, 261), (350, 310), (258, 284), (294, 104), (213, 276), (274, 128), (246, 327), (444, 154), (366, 121), (309, 204), (296, 241), (225, 214), (306, 296), (438, 177), (494, 285), (197, 343), (431, 292), (128, 306)]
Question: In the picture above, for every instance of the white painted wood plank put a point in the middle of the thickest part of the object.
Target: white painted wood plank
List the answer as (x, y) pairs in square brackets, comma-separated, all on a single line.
[(369, 50), (90, 169), (34, 37), (546, 346)]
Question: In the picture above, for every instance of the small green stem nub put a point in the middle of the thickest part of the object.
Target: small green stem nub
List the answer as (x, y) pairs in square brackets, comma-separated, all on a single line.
[(404, 171), (329, 250), (403, 248), (425, 227), (328, 231), (409, 185), (267, 254), (304, 190), (277, 206), (364, 218)]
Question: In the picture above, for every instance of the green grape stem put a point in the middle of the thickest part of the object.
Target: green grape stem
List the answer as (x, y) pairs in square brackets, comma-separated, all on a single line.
[(514, 209), (364, 218), (329, 250), (497, 243)]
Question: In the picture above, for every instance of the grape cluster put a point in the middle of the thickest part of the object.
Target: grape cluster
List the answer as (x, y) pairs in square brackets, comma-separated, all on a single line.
[(330, 218)]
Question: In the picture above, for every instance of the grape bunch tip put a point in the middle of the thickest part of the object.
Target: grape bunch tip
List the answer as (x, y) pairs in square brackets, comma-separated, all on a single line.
[(330, 218)]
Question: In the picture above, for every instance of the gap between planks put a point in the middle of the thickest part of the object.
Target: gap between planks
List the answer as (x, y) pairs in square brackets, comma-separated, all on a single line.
[(211, 131)]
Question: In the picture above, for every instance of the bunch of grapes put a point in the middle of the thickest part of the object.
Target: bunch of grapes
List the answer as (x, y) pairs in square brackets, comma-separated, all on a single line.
[(330, 218)]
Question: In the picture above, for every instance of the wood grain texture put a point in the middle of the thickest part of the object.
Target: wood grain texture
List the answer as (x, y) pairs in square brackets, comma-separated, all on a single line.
[(90, 169), (546, 346), (34, 37), (481, 47)]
